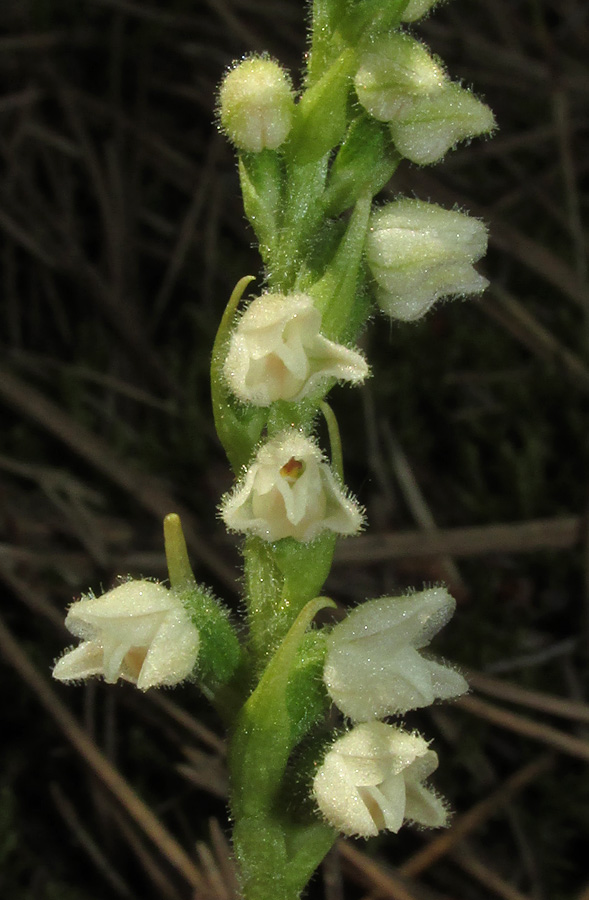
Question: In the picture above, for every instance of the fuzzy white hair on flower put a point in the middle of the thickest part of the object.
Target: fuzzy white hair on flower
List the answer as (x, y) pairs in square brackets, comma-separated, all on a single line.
[(290, 490), (139, 631), (418, 252), (373, 668), (277, 352), (372, 778)]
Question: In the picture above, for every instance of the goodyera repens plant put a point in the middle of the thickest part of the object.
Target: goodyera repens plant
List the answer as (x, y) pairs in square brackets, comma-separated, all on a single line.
[(311, 161)]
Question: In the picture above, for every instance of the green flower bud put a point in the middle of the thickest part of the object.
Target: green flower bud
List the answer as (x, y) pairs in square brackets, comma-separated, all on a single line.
[(433, 125), (256, 105), (394, 73), (418, 252), (416, 9)]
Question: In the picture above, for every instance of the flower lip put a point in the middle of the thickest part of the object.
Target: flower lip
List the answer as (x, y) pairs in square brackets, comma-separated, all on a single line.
[(289, 490), (277, 352)]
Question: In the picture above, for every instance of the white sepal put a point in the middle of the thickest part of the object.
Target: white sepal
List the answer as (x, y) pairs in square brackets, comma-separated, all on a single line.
[(289, 490), (433, 125), (394, 73), (373, 668), (372, 780), (139, 631), (278, 353)]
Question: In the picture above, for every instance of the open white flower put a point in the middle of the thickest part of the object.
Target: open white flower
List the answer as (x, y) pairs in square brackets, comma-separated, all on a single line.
[(419, 252), (289, 490), (139, 631), (277, 352), (373, 668), (372, 780)]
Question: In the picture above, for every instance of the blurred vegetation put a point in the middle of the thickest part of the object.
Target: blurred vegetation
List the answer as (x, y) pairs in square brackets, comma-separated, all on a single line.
[(122, 236)]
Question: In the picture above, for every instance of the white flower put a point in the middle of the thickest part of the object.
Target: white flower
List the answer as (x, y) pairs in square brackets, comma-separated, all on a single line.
[(394, 72), (372, 780), (277, 353), (433, 125), (373, 668), (256, 105), (289, 490), (419, 252), (416, 9), (139, 631)]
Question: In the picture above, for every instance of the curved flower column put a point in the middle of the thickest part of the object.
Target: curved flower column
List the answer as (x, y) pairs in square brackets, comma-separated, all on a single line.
[(373, 668), (289, 490), (139, 631), (278, 353), (372, 780)]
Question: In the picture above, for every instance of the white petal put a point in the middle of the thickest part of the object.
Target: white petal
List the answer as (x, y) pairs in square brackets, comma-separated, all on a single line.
[(172, 654), (425, 807), (80, 662), (133, 598), (446, 681), (414, 619), (339, 800), (391, 799)]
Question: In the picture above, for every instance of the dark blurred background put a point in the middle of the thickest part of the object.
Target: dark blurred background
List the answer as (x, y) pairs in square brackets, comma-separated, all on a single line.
[(122, 236)]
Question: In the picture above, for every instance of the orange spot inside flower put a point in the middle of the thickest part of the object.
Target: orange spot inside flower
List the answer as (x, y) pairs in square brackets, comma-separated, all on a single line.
[(292, 470)]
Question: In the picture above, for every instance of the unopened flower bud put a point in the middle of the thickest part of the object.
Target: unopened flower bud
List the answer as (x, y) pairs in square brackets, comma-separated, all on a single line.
[(416, 9), (289, 490), (256, 105), (419, 252), (139, 631), (396, 71), (372, 780), (373, 668), (278, 353), (426, 131)]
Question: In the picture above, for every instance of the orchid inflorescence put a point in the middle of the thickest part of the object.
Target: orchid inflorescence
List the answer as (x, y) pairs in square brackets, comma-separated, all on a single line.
[(310, 165)]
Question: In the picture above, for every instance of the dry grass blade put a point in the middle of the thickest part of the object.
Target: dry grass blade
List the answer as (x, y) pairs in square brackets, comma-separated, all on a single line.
[(419, 507), (485, 875), (381, 881), (82, 836), (100, 766), (547, 703), (179, 715), (218, 888), (205, 771), (144, 489), (225, 859), (537, 731), (154, 873), (476, 816), (562, 532), (508, 312)]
